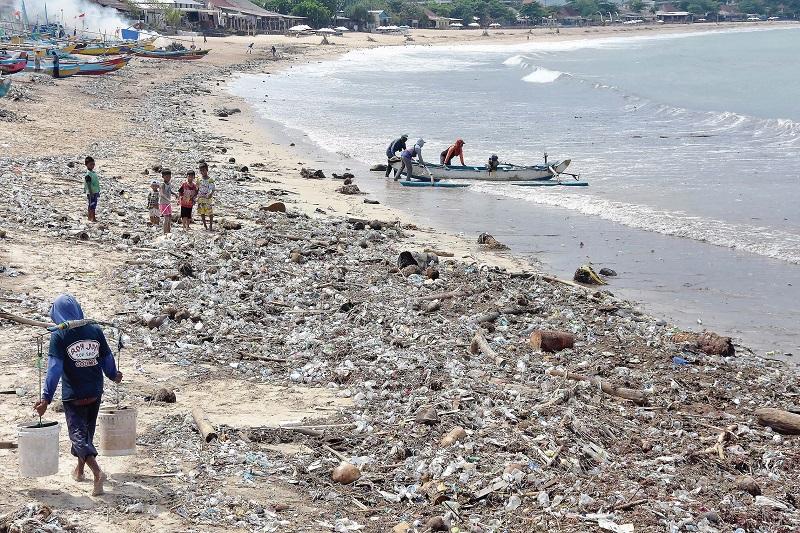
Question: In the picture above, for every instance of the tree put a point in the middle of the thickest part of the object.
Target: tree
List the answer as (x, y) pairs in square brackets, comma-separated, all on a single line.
[(636, 6), (316, 14), (586, 8), (172, 17), (534, 11), (279, 6)]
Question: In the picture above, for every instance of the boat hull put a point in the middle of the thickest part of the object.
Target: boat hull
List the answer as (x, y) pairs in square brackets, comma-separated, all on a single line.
[(98, 51), (65, 70), (503, 173), (181, 55), (98, 68), (12, 66)]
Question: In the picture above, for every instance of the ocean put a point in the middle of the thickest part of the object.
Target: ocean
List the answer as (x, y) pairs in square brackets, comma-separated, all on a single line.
[(690, 143)]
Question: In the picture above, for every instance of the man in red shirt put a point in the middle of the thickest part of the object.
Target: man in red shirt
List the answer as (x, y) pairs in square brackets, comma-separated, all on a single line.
[(455, 150), (187, 194)]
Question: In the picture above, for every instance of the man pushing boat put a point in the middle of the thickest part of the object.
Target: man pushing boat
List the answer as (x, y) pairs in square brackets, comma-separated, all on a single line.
[(407, 160), (456, 149)]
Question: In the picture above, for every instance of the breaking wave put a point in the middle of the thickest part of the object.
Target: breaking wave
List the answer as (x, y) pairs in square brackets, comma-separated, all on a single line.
[(542, 75)]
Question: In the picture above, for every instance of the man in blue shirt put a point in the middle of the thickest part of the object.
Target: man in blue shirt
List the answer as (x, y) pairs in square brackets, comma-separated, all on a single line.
[(80, 356), (397, 145)]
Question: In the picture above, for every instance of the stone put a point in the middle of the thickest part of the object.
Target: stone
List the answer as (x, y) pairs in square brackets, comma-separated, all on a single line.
[(276, 207), (232, 225), (165, 395), (345, 473), (748, 484)]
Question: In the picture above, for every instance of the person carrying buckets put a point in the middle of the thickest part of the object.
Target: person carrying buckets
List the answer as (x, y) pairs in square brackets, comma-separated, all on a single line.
[(80, 356)]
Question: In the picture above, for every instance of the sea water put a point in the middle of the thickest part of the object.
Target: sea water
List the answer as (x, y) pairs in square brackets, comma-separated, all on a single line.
[(690, 143)]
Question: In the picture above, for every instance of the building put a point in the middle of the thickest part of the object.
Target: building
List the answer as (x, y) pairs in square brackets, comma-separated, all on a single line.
[(439, 22), (675, 17), (377, 18)]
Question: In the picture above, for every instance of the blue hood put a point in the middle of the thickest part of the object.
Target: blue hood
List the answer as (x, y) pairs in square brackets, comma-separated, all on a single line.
[(65, 307)]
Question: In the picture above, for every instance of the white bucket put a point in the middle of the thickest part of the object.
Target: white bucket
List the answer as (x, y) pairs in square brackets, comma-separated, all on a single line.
[(116, 429), (38, 448)]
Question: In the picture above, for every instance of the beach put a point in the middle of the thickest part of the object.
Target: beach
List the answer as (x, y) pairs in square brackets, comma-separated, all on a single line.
[(304, 319)]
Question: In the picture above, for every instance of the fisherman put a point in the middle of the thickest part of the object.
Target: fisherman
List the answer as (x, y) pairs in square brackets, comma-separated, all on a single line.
[(456, 149), (56, 66), (80, 356), (274, 51), (407, 156), (250, 48), (493, 163), (397, 145)]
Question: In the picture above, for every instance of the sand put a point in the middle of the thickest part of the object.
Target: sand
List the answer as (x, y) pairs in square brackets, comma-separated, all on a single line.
[(80, 116)]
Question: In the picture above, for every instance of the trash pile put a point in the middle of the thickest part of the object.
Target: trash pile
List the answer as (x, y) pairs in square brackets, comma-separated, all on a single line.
[(33, 518)]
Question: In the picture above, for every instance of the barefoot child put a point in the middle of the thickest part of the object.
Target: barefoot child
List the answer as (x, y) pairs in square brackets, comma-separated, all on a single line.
[(91, 187), (165, 196), (187, 194), (205, 197), (152, 204), (78, 357)]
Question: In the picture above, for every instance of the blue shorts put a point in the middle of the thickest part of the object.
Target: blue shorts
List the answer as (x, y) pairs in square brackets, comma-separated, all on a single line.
[(93, 199), (81, 423)]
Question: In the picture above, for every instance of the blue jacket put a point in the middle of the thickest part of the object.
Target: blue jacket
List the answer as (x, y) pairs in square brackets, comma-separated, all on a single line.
[(397, 145), (81, 356)]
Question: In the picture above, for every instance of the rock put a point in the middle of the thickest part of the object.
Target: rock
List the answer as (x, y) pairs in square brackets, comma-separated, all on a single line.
[(748, 484), (349, 189), (182, 315), (348, 181), (3, 234), (232, 225), (427, 416), (156, 321), (345, 473), (231, 160), (409, 270), (380, 167), (431, 273), (711, 516), (402, 527), (244, 169), (454, 435), (276, 207), (186, 270), (376, 225), (707, 342), (586, 275), (551, 341), (490, 242), (297, 257), (358, 226), (371, 202), (311, 174), (436, 524), (165, 395), (607, 272), (170, 310)]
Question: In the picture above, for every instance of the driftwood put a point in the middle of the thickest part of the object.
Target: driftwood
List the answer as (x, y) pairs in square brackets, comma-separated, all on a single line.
[(203, 424), (443, 295), (7, 445), (779, 420), (479, 344), (551, 341), (489, 316), (22, 320), (636, 396)]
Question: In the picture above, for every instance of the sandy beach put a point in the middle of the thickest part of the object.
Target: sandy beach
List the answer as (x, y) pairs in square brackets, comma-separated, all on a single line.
[(307, 345)]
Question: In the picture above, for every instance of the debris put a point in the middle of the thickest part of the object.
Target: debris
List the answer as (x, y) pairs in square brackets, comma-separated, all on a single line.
[(311, 174), (349, 189), (551, 341), (165, 395), (779, 420), (345, 473), (203, 425), (748, 484), (427, 416), (636, 396), (607, 272), (490, 242), (454, 435), (707, 342), (232, 225), (586, 275)]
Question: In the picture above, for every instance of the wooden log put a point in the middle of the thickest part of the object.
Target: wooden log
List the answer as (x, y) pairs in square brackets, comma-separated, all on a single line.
[(22, 320), (551, 341), (779, 420), (479, 344), (638, 397), (489, 316), (444, 295), (203, 424)]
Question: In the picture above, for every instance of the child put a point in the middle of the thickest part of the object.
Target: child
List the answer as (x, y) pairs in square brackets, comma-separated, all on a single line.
[(91, 187), (187, 194), (165, 196), (205, 197), (152, 203)]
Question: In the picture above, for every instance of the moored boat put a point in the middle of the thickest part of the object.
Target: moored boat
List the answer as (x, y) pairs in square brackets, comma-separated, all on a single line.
[(65, 70), (94, 50), (504, 172), (95, 68), (185, 55), (13, 65)]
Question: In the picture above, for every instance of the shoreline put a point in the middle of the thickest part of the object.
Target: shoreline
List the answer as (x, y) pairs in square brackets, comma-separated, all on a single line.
[(302, 318)]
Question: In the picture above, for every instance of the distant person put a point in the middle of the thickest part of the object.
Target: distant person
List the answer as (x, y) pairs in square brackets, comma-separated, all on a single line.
[(152, 204), (457, 149), (91, 186), (56, 65), (205, 197), (274, 51), (187, 194), (78, 358), (205, 39), (165, 196), (397, 145), (493, 164), (407, 159), (250, 48)]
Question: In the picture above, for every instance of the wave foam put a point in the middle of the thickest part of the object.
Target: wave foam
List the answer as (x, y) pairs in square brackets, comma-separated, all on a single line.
[(542, 75)]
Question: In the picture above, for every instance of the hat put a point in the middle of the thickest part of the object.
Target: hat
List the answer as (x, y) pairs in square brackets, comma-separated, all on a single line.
[(166, 171), (154, 182), (420, 142), (404, 136)]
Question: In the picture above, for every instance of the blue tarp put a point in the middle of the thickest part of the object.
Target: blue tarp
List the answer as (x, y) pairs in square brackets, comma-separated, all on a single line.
[(130, 35)]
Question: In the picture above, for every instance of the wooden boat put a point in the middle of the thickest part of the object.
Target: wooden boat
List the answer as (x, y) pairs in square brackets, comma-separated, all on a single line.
[(5, 85), (65, 70), (429, 183), (504, 172), (552, 184), (93, 50), (13, 65), (185, 55), (96, 68)]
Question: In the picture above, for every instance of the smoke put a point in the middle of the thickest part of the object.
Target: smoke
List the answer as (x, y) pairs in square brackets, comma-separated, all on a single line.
[(97, 19)]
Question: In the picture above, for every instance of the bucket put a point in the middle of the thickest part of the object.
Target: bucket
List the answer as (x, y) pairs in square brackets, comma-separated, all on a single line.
[(116, 428), (38, 448)]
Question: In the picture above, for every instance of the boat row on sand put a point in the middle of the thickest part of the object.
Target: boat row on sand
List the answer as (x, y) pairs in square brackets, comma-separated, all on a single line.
[(66, 67)]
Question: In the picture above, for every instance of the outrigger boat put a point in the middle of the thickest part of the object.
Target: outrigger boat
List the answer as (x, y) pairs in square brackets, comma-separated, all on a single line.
[(504, 172), (185, 55), (95, 68), (65, 70), (13, 65)]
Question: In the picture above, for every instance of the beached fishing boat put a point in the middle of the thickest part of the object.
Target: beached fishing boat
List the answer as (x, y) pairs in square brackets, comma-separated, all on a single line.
[(185, 55), (504, 172), (96, 68), (65, 70), (12, 65), (94, 50), (5, 85), (443, 184)]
